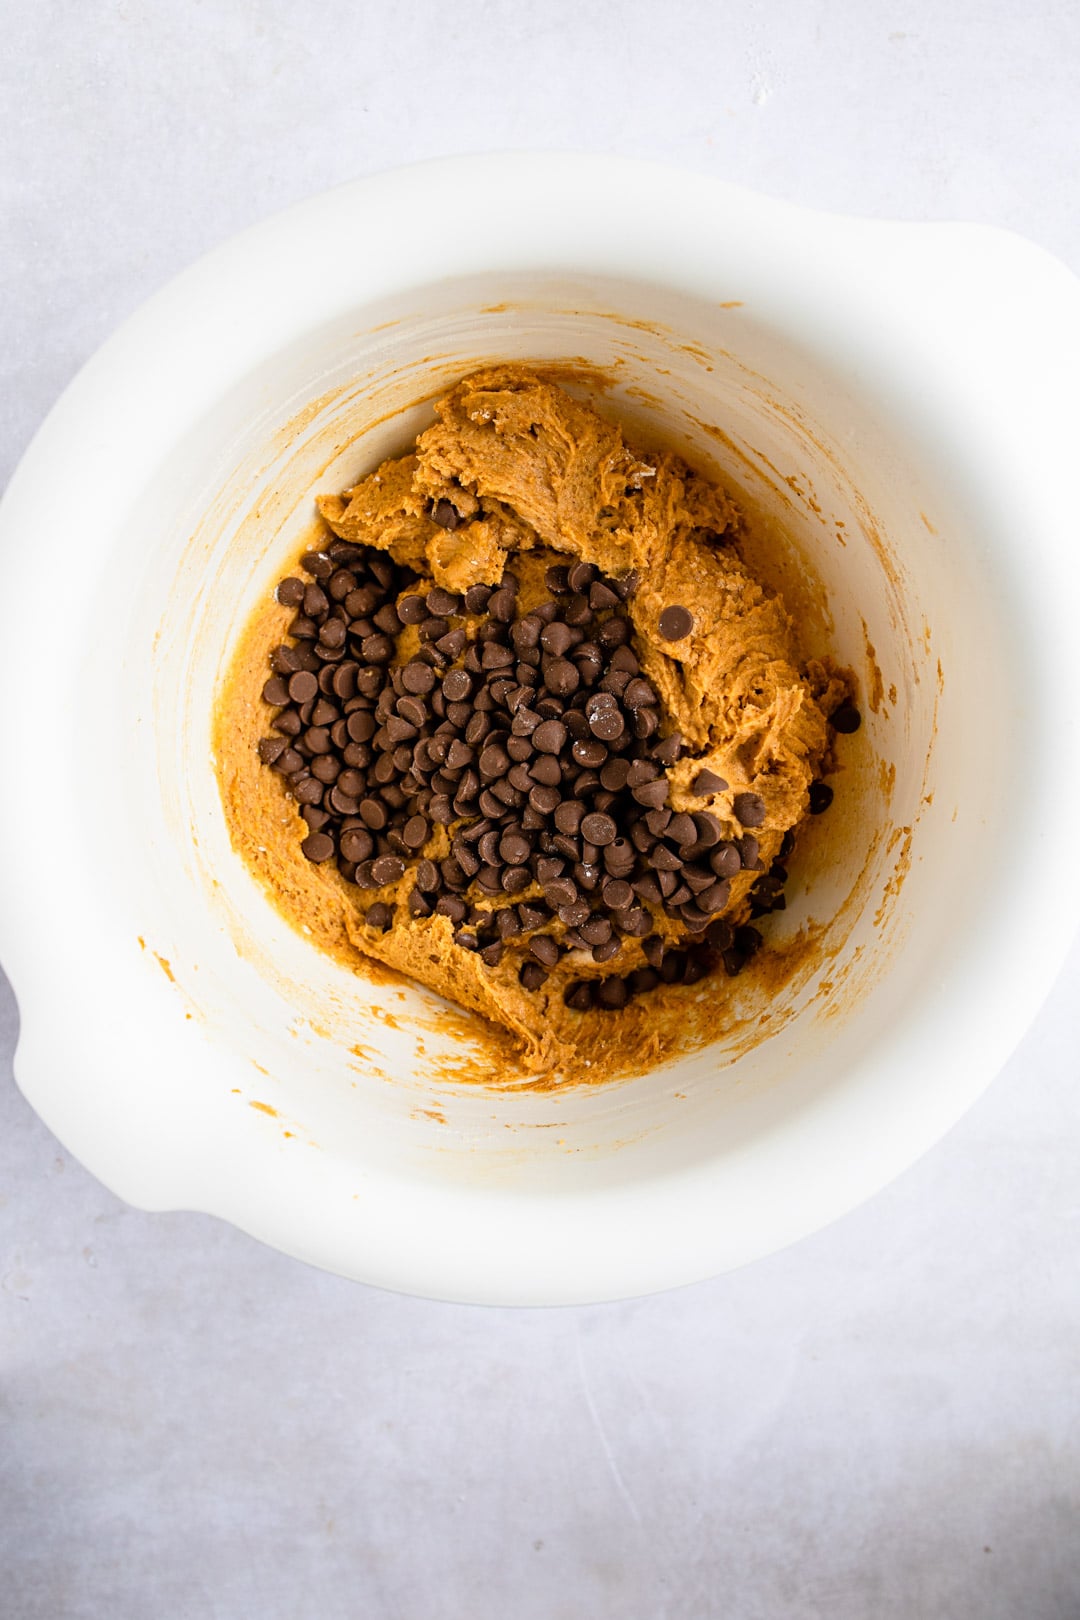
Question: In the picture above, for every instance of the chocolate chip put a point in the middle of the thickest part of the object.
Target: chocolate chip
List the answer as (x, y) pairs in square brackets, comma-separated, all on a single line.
[(276, 691), (749, 853), (675, 623), (457, 686), (602, 596), (352, 783), (343, 680), (377, 649), (614, 632), (614, 773), (356, 844), (821, 796), (415, 832), (556, 639), (599, 829), (303, 686), (477, 598), (612, 993), (746, 943), (286, 660), (290, 592), (607, 724), (652, 794), (412, 710), (590, 752), (668, 749), (638, 694), (579, 996), (468, 861), (288, 761), (399, 730), (387, 869), (706, 783), (507, 922), (514, 848), (543, 799), (379, 916), (577, 610), (574, 914), (453, 873), (418, 677), (546, 770), (561, 677), (441, 603), (749, 809), (709, 830), (589, 661), (320, 564), (373, 813), (672, 966), (618, 894), (427, 876), (531, 976), (634, 921), (569, 815), (550, 736), (725, 860), (494, 657), (525, 721), (494, 762), (561, 891), (715, 897), (501, 605), (445, 514), (318, 847), (681, 830), (545, 950)]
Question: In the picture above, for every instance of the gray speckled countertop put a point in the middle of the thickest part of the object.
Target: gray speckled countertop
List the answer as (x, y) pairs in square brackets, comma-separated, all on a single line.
[(883, 1421)]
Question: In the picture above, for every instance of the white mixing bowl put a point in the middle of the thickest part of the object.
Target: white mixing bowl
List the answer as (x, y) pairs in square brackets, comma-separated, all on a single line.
[(897, 405)]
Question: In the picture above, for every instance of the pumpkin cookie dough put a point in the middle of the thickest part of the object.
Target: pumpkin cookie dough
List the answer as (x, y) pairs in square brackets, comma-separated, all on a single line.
[(526, 729)]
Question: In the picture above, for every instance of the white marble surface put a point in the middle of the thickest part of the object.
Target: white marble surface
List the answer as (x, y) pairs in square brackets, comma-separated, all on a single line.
[(884, 1421)]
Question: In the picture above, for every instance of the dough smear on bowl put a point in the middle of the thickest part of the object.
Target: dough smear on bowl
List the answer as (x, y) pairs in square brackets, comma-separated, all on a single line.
[(526, 729)]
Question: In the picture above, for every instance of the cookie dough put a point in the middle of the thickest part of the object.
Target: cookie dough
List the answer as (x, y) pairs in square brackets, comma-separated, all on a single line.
[(517, 474)]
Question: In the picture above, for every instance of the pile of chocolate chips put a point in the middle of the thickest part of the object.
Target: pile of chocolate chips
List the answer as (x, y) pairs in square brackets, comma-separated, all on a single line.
[(535, 739)]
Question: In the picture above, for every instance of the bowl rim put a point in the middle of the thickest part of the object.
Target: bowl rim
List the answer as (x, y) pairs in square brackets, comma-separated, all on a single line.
[(176, 353)]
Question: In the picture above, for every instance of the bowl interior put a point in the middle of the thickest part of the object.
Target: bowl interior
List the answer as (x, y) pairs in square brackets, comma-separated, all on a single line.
[(852, 521)]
